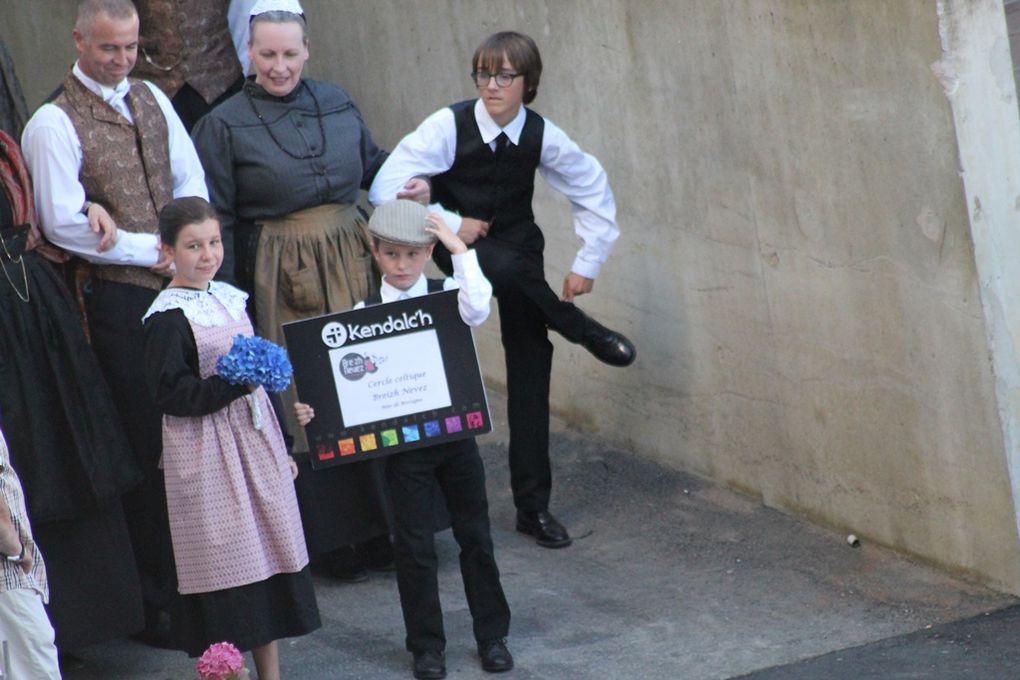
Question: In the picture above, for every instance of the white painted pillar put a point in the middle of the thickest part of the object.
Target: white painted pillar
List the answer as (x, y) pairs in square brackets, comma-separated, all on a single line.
[(976, 71)]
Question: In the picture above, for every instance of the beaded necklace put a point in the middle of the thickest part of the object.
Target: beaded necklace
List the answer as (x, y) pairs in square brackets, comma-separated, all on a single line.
[(318, 117), (24, 297)]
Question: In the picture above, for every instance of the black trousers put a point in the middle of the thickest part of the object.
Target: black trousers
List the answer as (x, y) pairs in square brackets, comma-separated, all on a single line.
[(412, 476), (115, 313), (528, 307)]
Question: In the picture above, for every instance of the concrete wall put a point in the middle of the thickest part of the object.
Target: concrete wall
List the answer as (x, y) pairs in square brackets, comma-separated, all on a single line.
[(823, 314)]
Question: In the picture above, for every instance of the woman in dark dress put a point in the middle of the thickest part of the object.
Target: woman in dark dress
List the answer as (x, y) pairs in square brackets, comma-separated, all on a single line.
[(64, 435), (285, 160)]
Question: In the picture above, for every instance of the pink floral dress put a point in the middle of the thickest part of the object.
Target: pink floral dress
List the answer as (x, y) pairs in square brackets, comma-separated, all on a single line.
[(234, 516)]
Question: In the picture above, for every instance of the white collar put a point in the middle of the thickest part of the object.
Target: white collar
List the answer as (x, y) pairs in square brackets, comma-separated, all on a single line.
[(200, 306), (490, 130), (389, 292), (106, 93)]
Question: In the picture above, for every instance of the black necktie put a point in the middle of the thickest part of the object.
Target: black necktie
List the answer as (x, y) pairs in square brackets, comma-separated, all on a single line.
[(501, 143)]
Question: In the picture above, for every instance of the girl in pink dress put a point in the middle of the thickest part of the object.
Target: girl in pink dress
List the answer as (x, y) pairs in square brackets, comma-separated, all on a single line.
[(242, 565)]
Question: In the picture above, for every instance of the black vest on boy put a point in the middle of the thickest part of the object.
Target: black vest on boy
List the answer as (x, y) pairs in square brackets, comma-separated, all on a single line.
[(495, 187), (432, 286)]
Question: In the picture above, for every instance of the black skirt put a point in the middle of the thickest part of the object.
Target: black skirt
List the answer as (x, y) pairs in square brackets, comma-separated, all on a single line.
[(342, 505), (56, 411), (68, 447), (248, 616), (349, 504), (94, 590)]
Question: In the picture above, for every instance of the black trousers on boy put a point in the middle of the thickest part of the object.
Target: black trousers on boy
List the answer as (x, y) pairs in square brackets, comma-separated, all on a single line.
[(528, 307), (412, 476)]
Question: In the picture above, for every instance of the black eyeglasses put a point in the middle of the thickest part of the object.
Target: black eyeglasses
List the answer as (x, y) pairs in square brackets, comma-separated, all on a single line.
[(503, 78)]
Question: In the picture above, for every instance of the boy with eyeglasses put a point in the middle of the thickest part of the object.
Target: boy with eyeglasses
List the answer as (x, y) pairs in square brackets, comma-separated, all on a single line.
[(482, 156)]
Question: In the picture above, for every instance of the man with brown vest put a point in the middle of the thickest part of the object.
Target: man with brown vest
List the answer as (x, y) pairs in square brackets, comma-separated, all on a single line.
[(186, 49), (116, 141)]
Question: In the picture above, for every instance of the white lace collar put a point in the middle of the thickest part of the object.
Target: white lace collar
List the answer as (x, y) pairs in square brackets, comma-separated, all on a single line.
[(200, 307)]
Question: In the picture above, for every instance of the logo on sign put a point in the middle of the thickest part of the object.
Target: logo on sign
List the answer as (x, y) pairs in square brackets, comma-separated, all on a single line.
[(354, 366), (334, 334)]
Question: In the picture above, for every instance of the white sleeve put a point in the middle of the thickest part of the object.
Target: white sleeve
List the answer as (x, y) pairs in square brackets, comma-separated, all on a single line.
[(188, 175), (429, 150), (53, 155), (475, 291), (580, 178)]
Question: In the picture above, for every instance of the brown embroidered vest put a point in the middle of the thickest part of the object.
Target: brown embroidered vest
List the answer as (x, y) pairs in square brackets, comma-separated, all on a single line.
[(125, 167), (186, 41)]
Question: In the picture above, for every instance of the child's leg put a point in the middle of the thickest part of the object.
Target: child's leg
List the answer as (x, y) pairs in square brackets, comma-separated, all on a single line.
[(462, 478), (27, 630), (528, 354), (523, 272), (267, 661), (410, 476)]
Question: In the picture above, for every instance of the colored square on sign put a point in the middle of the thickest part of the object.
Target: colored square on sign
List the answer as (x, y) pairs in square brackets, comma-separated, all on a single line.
[(475, 420), (411, 433), (368, 442), (432, 429), (453, 424), (326, 452), (389, 437), (347, 447)]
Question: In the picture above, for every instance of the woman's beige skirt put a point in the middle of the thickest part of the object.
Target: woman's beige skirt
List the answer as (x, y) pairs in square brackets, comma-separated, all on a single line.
[(312, 262)]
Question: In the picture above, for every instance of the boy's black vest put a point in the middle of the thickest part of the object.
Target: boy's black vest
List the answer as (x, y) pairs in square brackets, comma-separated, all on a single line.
[(434, 286), (495, 187)]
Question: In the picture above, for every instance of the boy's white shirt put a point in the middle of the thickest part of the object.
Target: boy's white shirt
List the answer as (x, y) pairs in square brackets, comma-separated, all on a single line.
[(474, 290), (431, 149)]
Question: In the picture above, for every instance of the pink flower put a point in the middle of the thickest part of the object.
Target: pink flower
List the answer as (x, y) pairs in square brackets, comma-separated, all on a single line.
[(222, 661)]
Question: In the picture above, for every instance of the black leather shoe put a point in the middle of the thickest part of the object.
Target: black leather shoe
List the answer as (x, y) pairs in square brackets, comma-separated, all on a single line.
[(496, 658), (607, 345), (429, 665), (543, 526)]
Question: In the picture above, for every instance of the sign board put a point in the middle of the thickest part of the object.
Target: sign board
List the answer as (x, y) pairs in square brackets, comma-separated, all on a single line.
[(387, 378)]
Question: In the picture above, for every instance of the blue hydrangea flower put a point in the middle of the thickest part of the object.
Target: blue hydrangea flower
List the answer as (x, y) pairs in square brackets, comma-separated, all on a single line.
[(256, 361)]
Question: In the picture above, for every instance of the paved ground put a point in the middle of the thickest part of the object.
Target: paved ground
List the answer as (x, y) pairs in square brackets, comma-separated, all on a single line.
[(670, 577)]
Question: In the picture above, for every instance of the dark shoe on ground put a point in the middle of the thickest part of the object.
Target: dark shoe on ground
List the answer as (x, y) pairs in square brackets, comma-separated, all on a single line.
[(429, 665), (343, 565), (543, 526), (607, 345), (496, 658), (377, 554)]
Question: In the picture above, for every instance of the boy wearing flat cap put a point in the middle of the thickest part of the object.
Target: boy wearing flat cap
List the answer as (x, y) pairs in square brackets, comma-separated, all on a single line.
[(403, 236)]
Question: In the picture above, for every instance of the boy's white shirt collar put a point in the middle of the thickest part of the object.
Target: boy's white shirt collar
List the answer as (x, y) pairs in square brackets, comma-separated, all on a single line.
[(490, 130), (389, 292), (108, 94)]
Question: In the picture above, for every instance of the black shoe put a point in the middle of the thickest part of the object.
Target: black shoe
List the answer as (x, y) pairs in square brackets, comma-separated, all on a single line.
[(429, 665), (607, 345), (343, 565), (496, 658), (543, 526)]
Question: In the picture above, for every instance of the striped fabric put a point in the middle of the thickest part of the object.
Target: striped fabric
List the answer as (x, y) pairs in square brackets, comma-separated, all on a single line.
[(13, 576)]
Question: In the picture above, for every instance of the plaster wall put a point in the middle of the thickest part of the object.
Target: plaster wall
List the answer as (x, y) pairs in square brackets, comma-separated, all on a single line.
[(797, 266)]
